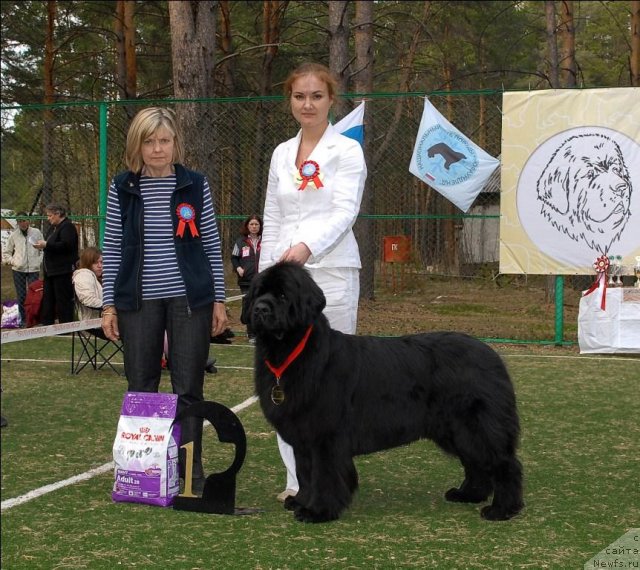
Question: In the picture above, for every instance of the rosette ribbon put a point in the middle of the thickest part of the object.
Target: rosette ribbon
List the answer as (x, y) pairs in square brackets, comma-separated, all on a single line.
[(310, 172), (601, 265), (186, 216)]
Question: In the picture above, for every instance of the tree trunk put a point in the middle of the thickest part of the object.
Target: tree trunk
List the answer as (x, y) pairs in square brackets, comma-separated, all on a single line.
[(568, 76), (272, 16), (568, 37), (450, 225), (339, 50), (226, 65), (635, 43), (407, 71), (126, 67), (365, 228), (118, 28), (552, 43), (48, 116), (193, 32), (131, 74)]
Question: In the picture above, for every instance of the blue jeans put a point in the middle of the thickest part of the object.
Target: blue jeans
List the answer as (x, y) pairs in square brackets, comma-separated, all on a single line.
[(189, 335)]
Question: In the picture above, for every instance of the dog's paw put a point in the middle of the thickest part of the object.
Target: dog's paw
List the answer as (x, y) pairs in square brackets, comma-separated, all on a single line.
[(291, 503), (458, 496), (305, 515), (492, 513)]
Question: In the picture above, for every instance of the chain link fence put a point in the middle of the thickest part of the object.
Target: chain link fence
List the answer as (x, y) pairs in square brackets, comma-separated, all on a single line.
[(68, 154)]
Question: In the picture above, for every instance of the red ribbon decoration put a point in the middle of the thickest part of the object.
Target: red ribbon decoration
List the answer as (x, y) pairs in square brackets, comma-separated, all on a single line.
[(601, 265), (310, 171), (187, 216)]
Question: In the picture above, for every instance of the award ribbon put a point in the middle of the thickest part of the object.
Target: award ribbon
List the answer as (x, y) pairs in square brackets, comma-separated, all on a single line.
[(277, 394), (601, 265), (310, 172), (186, 215)]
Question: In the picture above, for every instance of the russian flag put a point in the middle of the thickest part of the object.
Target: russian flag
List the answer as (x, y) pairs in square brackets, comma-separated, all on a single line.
[(352, 125)]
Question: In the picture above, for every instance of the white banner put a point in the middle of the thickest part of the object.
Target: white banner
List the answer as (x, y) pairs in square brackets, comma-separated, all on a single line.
[(570, 180), (448, 161)]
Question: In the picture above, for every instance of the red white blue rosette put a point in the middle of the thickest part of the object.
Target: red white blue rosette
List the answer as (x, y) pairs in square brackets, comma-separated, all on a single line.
[(186, 217), (601, 265), (310, 172)]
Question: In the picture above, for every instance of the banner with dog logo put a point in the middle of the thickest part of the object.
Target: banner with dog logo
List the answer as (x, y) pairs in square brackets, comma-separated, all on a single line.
[(448, 161), (570, 180)]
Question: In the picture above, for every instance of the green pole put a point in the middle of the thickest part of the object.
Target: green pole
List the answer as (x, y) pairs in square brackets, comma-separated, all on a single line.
[(559, 309), (102, 206)]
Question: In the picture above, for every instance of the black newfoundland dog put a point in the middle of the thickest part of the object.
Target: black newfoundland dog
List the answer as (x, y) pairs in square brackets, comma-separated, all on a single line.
[(333, 396)]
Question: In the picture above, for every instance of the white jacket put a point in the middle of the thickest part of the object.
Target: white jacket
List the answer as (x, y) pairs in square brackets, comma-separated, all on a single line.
[(322, 217), (88, 294), (20, 254)]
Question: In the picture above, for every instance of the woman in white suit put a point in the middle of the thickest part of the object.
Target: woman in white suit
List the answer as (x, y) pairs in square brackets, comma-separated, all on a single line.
[(315, 186)]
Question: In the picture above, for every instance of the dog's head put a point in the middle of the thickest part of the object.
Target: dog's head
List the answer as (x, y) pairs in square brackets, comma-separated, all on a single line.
[(585, 190), (283, 299)]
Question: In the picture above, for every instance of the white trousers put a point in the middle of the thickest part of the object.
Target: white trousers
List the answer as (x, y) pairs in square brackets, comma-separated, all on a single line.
[(341, 288)]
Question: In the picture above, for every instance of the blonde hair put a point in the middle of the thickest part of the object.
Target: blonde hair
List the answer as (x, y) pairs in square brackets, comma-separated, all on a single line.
[(143, 125), (322, 72)]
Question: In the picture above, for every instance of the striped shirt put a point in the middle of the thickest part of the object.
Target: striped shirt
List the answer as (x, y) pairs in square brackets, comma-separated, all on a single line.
[(161, 276)]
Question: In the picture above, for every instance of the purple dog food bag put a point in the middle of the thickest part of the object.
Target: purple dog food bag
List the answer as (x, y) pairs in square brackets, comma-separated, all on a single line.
[(145, 451)]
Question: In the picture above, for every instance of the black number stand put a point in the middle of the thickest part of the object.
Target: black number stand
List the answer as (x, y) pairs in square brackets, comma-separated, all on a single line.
[(219, 493)]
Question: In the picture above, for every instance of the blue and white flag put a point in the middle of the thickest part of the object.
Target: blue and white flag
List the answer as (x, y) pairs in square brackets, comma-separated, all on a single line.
[(448, 161), (352, 125)]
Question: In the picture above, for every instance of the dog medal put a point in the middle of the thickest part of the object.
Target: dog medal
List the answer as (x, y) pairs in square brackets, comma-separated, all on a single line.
[(277, 395)]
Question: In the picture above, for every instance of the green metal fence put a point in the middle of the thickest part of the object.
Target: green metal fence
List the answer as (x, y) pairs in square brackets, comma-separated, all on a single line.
[(68, 153)]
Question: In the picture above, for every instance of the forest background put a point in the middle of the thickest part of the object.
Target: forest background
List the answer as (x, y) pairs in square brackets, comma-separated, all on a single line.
[(221, 65)]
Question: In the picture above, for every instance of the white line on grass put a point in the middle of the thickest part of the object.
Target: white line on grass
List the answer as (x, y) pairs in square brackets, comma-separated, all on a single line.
[(9, 503), (44, 361), (583, 357)]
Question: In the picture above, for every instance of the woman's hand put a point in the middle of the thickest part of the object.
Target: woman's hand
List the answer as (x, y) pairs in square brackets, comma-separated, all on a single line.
[(240, 271), (110, 326), (219, 321), (298, 253)]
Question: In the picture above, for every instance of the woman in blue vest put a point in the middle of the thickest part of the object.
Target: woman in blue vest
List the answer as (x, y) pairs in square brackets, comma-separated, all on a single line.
[(163, 267)]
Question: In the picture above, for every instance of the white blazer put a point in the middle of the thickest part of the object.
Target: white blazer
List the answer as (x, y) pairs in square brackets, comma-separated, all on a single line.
[(322, 217)]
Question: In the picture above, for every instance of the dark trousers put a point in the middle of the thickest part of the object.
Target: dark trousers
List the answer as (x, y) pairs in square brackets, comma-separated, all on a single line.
[(21, 281), (245, 317), (57, 299), (189, 332)]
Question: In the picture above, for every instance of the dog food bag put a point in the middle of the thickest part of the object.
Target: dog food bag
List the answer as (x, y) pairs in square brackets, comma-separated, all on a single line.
[(145, 451)]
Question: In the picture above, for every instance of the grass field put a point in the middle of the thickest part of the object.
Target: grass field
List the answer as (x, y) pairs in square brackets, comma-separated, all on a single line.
[(580, 450)]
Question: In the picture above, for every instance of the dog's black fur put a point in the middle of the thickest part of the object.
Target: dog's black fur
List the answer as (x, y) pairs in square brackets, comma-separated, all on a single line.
[(348, 395)]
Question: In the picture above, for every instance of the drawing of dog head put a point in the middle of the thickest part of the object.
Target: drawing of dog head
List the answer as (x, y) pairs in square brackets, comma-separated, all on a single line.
[(585, 190)]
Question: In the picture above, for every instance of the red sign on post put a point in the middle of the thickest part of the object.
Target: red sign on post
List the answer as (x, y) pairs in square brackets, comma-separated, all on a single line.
[(397, 249)]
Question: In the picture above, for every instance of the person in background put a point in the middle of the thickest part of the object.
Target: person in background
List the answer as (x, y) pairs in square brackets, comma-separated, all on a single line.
[(60, 257), (314, 190), (87, 283), (244, 258), (163, 268), (25, 260)]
